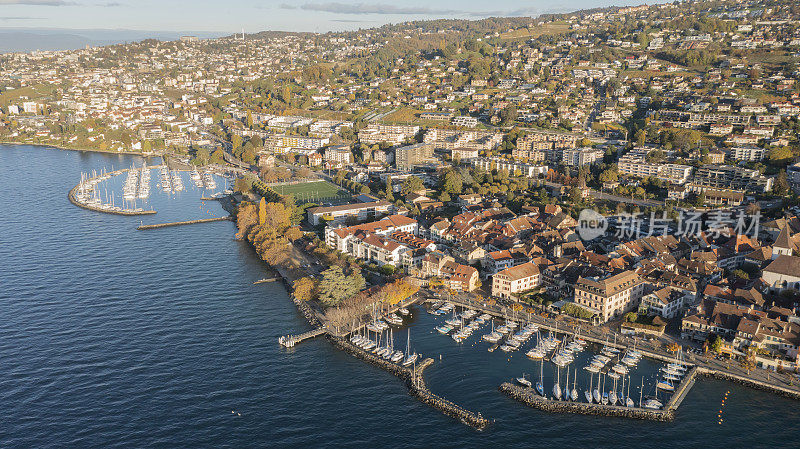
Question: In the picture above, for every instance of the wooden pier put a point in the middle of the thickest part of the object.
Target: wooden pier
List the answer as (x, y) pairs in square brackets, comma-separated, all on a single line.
[(683, 389), (182, 223), (265, 280), (290, 340)]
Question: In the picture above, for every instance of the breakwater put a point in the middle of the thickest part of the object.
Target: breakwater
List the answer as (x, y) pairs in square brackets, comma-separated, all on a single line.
[(415, 382), (528, 396), (181, 223), (752, 383)]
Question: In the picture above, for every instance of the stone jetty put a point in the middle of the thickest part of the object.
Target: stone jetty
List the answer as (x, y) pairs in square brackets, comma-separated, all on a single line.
[(415, 383), (182, 223), (528, 396)]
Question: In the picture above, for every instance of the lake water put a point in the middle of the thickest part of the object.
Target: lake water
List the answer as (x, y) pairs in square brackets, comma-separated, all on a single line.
[(113, 337)]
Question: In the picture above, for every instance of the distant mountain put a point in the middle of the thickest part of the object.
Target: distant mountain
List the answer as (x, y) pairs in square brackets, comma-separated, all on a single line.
[(30, 39)]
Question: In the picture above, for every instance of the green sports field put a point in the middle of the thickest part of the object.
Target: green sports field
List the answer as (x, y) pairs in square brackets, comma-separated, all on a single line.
[(314, 192)]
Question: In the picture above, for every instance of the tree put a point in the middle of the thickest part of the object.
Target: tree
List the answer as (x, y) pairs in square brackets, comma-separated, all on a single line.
[(335, 286), (780, 155), (608, 175), (631, 317), (716, 345), (410, 185), (740, 274), (236, 141), (216, 157), (250, 119), (508, 115), (452, 183), (293, 233), (262, 211), (781, 186), (304, 289), (277, 216)]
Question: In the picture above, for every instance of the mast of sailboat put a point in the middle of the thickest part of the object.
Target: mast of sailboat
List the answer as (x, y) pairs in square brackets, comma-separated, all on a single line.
[(640, 392), (628, 393)]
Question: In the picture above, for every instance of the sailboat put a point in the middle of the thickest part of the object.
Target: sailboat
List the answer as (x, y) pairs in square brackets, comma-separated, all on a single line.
[(665, 385), (574, 391), (524, 381), (410, 358), (567, 395), (612, 395), (588, 393), (596, 391), (557, 389), (628, 400), (604, 397), (539, 386)]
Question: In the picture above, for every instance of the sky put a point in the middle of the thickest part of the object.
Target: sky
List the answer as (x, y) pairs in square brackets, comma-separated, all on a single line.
[(228, 16)]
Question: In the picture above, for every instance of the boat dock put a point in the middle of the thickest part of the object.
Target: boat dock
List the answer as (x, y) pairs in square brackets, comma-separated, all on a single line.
[(683, 389), (290, 340), (265, 280), (182, 223), (530, 397)]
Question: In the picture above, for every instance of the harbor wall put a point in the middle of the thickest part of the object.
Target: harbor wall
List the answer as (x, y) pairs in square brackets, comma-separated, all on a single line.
[(752, 383), (528, 396), (415, 382)]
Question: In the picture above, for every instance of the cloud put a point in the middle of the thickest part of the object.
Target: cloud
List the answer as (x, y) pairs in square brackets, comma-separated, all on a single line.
[(523, 12), (363, 8), (111, 4), (36, 2), (387, 9), (9, 18)]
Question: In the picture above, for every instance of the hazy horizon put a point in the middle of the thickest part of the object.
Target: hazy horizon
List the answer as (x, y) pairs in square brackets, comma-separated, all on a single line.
[(271, 15)]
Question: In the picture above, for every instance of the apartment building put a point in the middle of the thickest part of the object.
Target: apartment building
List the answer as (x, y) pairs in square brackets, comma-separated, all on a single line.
[(281, 143), (516, 279), (338, 237), (666, 302), (634, 165), (456, 276), (731, 177), (527, 170), (357, 211), (578, 157), (338, 155), (405, 158), (394, 134), (748, 153), (612, 296)]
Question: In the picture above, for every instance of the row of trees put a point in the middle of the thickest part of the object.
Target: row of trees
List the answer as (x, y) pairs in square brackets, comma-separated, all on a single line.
[(267, 226)]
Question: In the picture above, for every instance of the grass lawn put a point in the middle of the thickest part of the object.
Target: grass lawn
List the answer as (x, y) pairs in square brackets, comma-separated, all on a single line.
[(314, 191), (536, 31)]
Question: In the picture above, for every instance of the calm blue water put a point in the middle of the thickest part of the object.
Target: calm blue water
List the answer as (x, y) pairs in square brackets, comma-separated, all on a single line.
[(115, 337)]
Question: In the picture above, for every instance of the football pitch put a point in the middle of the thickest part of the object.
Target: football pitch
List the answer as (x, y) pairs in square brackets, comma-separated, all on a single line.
[(314, 191)]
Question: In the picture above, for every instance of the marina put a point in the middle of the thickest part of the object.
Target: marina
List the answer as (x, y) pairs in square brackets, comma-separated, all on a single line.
[(108, 192)]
